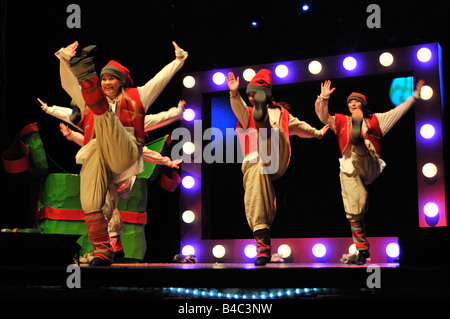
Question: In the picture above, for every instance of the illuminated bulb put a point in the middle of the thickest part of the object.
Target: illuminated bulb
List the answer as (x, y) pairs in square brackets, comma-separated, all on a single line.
[(426, 92), (188, 216), (284, 250), (189, 81), (386, 59), (281, 71), (188, 148), (219, 78), (189, 114), (218, 251), (431, 209), (319, 250), (250, 251), (393, 250), (429, 170), (349, 63), (424, 55), (427, 131), (188, 182), (315, 67), (188, 250), (248, 74)]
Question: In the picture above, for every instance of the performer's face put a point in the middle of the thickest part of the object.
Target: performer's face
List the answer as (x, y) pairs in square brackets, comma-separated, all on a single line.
[(251, 98), (354, 105), (110, 85)]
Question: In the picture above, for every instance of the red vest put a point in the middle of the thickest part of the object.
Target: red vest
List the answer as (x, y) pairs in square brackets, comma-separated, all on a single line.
[(343, 131), (248, 146), (128, 116)]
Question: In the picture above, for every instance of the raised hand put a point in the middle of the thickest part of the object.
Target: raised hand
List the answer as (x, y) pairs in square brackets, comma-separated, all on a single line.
[(71, 50), (175, 163), (44, 106), (181, 105), (419, 87), (325, 90), (324, 129), (65, 130), (179, 52), (233, 83)]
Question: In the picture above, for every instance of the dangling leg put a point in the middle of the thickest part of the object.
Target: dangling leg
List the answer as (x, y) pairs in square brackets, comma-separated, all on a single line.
[(98, 235), (354, 196), (93, 188), (115, 223), (259, 200), (263, 249)]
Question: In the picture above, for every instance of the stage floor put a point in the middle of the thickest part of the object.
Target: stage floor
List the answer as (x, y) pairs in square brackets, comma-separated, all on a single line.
[(228, 281)]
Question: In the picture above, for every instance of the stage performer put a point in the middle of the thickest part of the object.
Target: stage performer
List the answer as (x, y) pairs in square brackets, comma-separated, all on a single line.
[(114, 135), (152, 122), (264, 128), (359, 133)]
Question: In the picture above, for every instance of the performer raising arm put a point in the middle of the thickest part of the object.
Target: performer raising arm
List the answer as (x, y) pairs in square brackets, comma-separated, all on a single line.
[(267, 125), (114, 134), (359, 133)]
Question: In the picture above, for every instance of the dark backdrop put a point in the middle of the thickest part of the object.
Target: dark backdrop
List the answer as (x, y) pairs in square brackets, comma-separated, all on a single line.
[(217, 35)]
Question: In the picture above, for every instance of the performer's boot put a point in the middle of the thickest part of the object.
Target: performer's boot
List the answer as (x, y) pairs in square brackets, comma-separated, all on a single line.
[(360, 240), (260, 109), (97, 227), (357, 120), (116, 244), (262, 239), (83, 66)]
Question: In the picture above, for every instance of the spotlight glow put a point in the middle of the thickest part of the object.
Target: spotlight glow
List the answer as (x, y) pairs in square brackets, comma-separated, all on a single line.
[(315, 67), (188, 250), (189, 114), (188, 216), (426, 92), (429, 170), (319, 250), (427, 131), (250, 251), (188, 182), (424, 55), (284, 250), (349, 63), (431, 209), (281, 71), (393, 250), (218, 251), (219, 78), (248, 74), (386, 59), (188, 148), (189, 82)]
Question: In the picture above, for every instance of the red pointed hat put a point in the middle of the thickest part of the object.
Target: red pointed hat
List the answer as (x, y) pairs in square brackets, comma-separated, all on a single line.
[(357, 96), (119, 71), (261, 81)]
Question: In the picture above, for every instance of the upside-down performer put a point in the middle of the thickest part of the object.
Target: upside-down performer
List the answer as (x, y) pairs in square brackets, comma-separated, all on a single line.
[(114, 136)]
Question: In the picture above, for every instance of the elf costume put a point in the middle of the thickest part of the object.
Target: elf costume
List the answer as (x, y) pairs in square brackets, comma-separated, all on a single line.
[(113, 141), (264, 132), (357, 171)]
